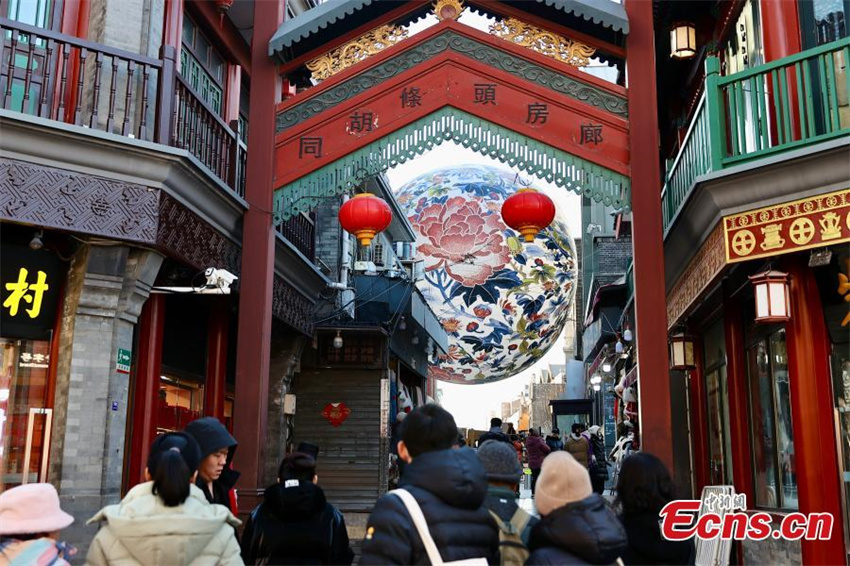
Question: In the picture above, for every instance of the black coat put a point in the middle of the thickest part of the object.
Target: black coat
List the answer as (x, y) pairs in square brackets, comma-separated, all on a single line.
[(600, 470), (493, 434), (648, 546), (295, 525), (554, 443), (450, 486), (212, 436), (584, 532)]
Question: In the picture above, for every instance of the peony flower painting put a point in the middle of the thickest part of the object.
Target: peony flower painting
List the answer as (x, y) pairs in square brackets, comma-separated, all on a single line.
[(502, 303)]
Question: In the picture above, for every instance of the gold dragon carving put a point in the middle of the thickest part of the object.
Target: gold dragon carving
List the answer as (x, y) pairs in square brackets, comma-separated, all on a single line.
[(544, 42), (355, 51)]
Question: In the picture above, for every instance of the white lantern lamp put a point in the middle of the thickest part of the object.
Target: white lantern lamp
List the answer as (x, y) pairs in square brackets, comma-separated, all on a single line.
[(771, 289), (338, 340), (683, 40), (682, 352)]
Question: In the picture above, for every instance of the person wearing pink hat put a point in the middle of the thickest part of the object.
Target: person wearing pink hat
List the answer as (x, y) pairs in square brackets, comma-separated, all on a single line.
[(30, 521)]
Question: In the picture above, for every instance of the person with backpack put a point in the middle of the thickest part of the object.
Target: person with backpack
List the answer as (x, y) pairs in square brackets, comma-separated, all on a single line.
[(166, 520), (295, 524), (437, 514), (503, 475), (576, 525)]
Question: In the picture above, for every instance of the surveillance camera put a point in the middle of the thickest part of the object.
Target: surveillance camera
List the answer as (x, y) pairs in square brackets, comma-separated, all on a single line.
[(220, 278)]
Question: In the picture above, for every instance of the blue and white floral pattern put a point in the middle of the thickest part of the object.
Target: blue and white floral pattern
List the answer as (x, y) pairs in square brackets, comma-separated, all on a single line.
[(503, 303)]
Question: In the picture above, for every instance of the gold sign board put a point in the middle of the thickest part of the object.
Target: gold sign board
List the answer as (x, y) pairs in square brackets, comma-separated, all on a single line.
[(821, 220)]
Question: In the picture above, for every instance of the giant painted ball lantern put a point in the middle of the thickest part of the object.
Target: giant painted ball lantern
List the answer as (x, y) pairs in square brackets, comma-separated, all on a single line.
[(364, 216), (502, 303), (528, 212)]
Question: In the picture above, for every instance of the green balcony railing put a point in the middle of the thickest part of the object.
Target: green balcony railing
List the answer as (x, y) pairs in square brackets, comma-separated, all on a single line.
[(786, 104)]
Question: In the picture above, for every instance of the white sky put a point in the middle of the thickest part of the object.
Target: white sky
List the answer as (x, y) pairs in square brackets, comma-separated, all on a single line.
[(471, 404)]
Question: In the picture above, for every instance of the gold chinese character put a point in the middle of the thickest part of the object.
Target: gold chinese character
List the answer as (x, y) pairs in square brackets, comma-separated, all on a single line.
[(802, 231), (772, 238), (830, 227), (38, 358), (32, 294)]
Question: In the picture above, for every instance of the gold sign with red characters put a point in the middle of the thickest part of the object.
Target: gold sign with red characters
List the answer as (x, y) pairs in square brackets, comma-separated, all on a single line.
[(812, 222)]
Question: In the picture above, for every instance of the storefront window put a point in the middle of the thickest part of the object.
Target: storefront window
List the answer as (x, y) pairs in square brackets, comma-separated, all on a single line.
[(25, 417), (180, 402), (770, 413)]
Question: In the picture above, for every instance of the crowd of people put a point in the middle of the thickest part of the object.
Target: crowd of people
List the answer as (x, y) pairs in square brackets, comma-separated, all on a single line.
[(454, 503)]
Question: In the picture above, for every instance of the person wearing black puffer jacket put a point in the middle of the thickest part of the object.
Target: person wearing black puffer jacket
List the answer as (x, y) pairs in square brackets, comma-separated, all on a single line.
[(449, 486), (295, 524), (576, 526), (644, 487)]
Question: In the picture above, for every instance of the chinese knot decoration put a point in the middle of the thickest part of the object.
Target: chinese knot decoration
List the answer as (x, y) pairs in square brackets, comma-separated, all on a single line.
[(528, 212), (336, 413), (364, 216)]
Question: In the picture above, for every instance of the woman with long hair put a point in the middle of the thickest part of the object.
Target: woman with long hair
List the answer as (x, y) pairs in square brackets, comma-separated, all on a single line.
[(166, 520), (644, 487)]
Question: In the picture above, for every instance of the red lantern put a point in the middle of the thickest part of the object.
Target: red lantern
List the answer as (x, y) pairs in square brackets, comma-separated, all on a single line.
[(364, 216), (528, 212), (223, 5)]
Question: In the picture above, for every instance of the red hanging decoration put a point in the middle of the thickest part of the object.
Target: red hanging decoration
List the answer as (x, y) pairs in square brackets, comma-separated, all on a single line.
[(364, 216), (528, 212), (223, 5), (336, 413)]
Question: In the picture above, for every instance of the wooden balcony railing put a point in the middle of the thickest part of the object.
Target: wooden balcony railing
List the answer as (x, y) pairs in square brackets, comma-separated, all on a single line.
[(783, 105), (198, 129), (59, 77), (300, 230), (64, 78)]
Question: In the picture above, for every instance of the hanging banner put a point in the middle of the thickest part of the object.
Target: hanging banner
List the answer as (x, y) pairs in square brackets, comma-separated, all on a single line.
[(336, 413)]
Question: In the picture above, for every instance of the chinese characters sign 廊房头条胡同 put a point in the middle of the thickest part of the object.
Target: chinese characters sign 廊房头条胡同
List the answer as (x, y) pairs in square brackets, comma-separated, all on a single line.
[(30, 282), (812, 222)]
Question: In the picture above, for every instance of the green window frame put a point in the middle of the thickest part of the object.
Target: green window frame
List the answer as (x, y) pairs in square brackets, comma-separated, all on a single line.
[(202, 66)]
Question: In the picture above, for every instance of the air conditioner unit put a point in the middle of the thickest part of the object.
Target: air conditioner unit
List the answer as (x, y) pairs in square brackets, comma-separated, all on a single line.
[(365, 267)]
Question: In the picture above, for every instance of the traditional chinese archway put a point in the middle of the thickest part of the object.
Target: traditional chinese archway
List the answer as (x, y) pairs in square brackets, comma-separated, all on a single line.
[(531, 110)]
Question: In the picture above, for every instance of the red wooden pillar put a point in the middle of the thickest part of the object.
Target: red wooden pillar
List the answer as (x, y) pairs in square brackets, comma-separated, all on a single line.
[(812, 411), (169, 53), (648, 243), (699, 421), (146, 391), (736, 379), (216, 382), (781, 30), (257, 275)]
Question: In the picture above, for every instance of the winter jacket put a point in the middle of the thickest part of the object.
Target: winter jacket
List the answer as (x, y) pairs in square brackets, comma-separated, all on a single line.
[(450, 486), (212, 436), (554, 443), (648, 546), (142, 530), (583, 532), (536, 449), (600, 470), (579, 447), (295, 525), (494, 433), (518, 447), (39, 551)]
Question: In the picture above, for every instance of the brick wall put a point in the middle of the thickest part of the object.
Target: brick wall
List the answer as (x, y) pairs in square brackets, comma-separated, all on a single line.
[(773, 551), (613, 255)]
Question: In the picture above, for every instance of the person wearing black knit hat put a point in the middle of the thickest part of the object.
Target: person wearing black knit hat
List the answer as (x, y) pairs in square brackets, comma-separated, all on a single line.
[(216, 478), (503, 475)]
